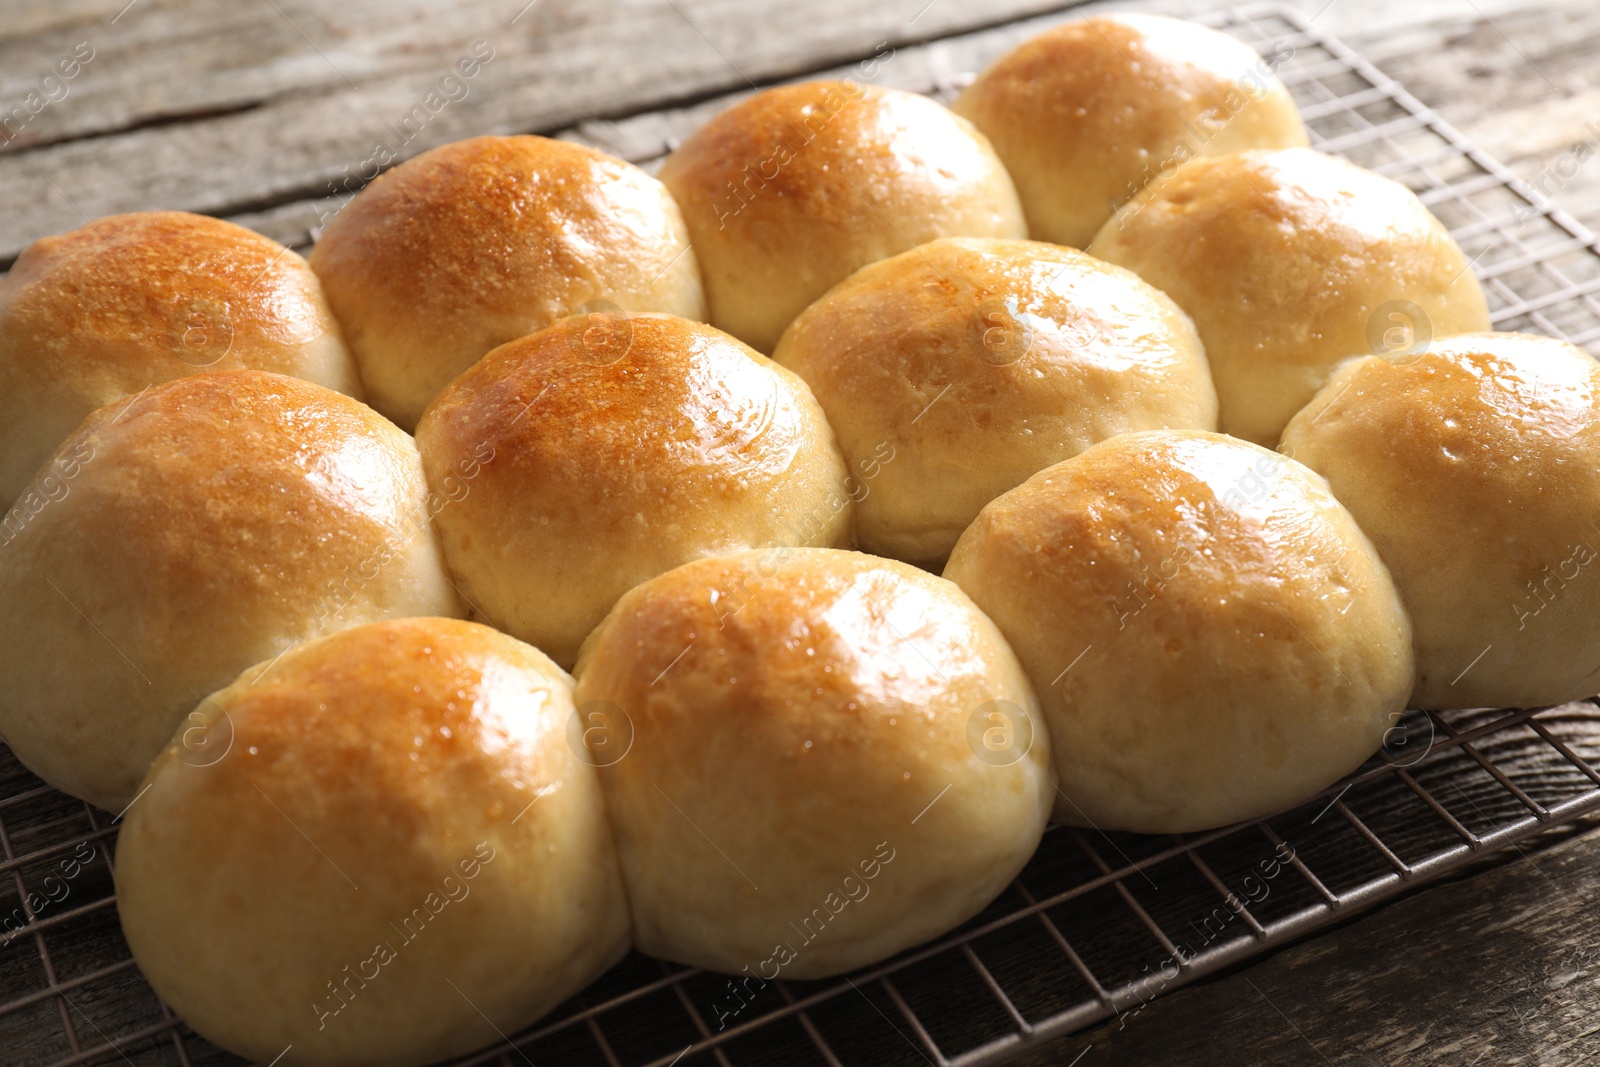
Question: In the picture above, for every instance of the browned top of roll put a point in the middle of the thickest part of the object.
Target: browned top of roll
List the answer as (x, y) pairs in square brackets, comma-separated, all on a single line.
[(602, 451), (418, 231), (201, 526), (150, 278), (479, 242), (254, 431), (1085, 114), (440, 700), (852, 144), (408, 784), (1286, 261), (675, 409), (128, 301), (787, 192)]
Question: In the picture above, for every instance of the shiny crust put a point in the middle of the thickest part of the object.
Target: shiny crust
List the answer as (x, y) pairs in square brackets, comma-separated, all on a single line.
[(1085, 114), (592, 470), (953, 372), (129, 301), (803, 709), (1285, 260), (1475, 469), (180, 536), (1211, 635), (789, 191), (307, 811), (479, 242)]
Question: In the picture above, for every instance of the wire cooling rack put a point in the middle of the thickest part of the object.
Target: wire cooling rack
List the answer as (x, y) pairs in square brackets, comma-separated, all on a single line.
[(1098, 923)]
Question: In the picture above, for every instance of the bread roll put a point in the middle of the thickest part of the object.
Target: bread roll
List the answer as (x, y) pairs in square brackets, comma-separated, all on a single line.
[(1289, 262), (791, 190), (1475, 469), (833, 757), (1211, 635), (180, 536), (953, 372), (1085, 114), (132, 300), (614, 448), (479, 242), (391, 855)]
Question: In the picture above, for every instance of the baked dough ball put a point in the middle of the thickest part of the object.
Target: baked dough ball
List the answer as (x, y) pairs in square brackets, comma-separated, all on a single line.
[(132, 300), (1290, 262), (479, 242), (1475, 469), (953, 372), (1086, 114), (789, 191), (614, 448), (1211, 635), (180, 536), (389, 855), (832, 757)]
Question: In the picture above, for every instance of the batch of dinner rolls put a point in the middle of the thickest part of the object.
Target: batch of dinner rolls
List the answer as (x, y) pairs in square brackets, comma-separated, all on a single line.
[(745, 565)]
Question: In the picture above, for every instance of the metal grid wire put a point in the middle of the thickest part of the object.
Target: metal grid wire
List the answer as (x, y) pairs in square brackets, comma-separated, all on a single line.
[(1098, 923)]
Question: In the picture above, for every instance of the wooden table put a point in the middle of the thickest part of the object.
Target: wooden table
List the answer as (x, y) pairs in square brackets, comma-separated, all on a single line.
[(253, 109)]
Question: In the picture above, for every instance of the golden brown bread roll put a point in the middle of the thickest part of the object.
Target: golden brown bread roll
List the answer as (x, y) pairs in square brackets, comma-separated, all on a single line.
[(1211, 636), (389, 854), (620, 447), (954, 371), (1475, 469), (833, 757), (1086, 114), (790, 190), (132, 300), (1290, 262), (479, 242), (180, 536)]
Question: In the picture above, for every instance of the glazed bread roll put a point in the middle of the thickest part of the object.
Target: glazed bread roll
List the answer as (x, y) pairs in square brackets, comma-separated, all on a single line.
[(791, 190), (180, 536), (390, 854), (1086, 114), (953, 372), (614, 448), (1475, 469), (1211, 635), (132, 300), (1290, 262), (479, 242), (830, 757)]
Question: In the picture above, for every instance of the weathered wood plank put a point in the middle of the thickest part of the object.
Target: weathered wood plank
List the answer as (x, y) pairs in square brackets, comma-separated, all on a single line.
[(644, 138), (294, 123), (1502, 968), (1525, 88), (268, 117), (1457, 63), (160, 61)]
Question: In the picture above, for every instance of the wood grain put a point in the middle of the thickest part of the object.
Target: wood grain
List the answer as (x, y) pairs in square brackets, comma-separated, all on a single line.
[(278, 103), (1524, 87), (249, 110), (1500, 969)]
